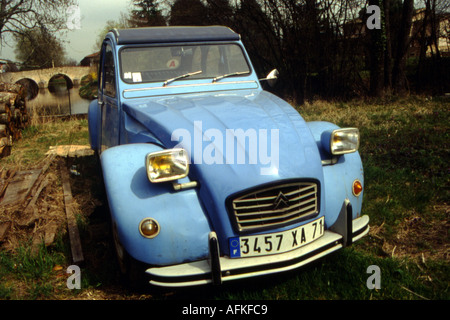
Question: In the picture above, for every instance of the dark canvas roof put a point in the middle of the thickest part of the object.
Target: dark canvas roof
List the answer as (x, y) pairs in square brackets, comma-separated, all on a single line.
[(174, 34)]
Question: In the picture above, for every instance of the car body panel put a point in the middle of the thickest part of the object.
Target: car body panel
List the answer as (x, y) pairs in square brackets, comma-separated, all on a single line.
[(184, 225)]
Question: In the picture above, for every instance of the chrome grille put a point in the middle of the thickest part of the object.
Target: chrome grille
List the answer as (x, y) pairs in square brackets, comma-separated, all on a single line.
[(275, 206)]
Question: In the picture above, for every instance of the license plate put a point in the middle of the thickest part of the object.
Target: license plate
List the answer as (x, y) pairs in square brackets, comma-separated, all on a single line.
[(279, 242)]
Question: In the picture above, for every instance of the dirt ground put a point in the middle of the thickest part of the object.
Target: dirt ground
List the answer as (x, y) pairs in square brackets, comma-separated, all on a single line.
[(417, 239)]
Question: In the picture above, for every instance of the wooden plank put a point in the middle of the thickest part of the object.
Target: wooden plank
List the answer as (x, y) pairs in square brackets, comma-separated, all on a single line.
[(20, 186), (70, 150), (37, 188), (30, 208), (74, 236), (6, 182), (50, 233), (4, 227)]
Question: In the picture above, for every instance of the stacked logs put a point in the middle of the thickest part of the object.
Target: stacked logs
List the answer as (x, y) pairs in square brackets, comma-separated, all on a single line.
[(13, 115)]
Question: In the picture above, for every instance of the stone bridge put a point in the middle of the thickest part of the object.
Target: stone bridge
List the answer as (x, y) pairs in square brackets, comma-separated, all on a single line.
[(41, 77)]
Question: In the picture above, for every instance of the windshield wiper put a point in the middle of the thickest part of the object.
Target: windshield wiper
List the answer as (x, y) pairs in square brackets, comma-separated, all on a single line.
[(229, 75), (181, 77)]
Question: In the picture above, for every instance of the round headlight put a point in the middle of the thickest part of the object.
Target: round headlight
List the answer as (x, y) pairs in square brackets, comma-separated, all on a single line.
[(149, 228)]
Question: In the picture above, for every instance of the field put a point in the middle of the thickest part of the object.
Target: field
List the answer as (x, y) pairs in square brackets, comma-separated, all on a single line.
[(405, 149)]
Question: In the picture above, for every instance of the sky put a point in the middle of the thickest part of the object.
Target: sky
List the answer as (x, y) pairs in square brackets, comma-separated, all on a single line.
[(80, 38)]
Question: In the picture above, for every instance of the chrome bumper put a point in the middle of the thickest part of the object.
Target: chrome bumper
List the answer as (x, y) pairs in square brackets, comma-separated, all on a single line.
[(218, 269)]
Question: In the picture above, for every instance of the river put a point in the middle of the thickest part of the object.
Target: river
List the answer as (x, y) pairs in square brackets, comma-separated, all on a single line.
[(59, 102)]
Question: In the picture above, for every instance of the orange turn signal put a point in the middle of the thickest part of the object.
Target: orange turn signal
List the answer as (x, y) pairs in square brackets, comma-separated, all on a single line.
[(357, 188)]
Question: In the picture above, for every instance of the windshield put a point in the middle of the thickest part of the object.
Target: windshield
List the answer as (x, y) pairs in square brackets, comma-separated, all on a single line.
[(156, 64)]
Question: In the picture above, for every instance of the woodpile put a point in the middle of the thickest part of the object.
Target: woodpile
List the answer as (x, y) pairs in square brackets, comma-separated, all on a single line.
[(13, 115)]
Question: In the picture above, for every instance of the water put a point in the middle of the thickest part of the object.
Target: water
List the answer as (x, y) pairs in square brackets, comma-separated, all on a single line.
[(58, 102)]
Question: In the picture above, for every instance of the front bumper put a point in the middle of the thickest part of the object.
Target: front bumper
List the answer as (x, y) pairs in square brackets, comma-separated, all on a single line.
[(218, 269)]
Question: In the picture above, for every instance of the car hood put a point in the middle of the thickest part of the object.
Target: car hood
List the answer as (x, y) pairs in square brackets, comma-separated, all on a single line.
[(278, 144)]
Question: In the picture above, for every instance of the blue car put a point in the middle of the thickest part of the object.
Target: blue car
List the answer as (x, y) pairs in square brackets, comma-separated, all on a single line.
[(209, 177)]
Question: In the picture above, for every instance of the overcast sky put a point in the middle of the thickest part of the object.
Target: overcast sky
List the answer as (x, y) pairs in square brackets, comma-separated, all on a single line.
[(80, 42)]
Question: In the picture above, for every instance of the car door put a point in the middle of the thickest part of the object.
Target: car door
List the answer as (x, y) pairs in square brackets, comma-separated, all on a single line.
[(109, 98)]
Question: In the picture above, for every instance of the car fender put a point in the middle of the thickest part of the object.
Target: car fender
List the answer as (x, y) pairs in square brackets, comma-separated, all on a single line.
[(338, 176), (338, 180), (94, 124), (184, 226)]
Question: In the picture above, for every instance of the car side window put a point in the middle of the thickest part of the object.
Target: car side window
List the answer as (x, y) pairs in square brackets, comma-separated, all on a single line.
[(109, 72)]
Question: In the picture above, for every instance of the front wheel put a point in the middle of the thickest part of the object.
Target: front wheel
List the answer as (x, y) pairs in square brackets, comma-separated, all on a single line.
[(132, 271)]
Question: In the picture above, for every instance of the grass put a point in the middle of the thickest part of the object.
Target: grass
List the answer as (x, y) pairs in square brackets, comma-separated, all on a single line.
[(39, 136), (405, 150), (28, 274)]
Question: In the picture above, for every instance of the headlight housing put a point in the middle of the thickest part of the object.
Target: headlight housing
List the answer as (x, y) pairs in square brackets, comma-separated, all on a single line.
[(167, 165), (341, 141)]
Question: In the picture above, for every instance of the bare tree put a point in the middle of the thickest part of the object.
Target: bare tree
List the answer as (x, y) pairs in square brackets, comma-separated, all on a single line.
[(220, 12), (146, 13), (399, 80), (188, 12), (32, 49), (18, 16), (376, 54), (306, 41), (122, 23), (434, 26)]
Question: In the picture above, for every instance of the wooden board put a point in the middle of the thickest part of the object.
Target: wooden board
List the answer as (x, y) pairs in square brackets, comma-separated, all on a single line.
[(74, 236), (71, 151), (20, 186), (4, 227)]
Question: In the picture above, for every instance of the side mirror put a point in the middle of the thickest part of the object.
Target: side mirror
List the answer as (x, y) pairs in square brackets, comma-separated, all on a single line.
[(271, 77)]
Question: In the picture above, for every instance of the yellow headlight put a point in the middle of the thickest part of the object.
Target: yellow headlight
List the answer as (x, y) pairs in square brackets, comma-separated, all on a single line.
[(344, 141), (167, 165)]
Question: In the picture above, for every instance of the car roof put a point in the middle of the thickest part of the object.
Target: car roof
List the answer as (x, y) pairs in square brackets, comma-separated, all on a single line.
[(174, 34)]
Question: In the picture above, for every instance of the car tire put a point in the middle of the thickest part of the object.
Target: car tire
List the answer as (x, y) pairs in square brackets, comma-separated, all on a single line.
[(132, 271)]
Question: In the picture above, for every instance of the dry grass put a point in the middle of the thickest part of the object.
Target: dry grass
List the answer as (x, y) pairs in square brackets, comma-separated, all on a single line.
[(405, 147), (44, 132)]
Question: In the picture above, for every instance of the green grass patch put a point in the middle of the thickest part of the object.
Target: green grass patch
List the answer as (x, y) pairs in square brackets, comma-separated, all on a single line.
[(404, 147), (40, 136), (344, 276), (405, 150), (29, 274)]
